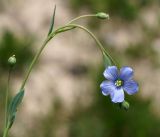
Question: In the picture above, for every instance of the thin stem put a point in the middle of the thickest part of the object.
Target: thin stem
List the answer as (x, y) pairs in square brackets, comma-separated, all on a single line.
[(83, 16), (34, 60), (7, 93), (96, 40), (5, 132), (52, 35), (6, 103)]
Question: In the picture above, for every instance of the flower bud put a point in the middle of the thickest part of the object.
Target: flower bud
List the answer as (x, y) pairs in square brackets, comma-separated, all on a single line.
[(102, 15), (125, 105), (12, 60)]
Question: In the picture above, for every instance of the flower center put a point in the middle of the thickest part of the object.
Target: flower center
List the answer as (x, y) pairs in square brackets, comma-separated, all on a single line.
[(118, 82)]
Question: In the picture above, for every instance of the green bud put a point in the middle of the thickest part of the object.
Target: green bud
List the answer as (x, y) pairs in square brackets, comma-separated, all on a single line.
[(12, 60), (102, 15), (125, 105)]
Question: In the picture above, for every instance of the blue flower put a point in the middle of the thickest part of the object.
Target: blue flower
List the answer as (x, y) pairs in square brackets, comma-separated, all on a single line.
[(118, 82)]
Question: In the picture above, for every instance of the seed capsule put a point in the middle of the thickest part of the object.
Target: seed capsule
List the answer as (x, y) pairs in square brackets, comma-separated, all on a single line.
[(102, 15)]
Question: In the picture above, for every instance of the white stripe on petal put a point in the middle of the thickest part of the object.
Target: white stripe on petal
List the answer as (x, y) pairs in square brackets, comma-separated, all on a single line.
[(107, 87), (117, 96), (111, 73)]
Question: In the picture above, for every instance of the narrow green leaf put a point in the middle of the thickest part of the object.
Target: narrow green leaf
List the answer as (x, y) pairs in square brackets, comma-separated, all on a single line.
[(11, 120), (52, 21), (13, 107), (65, 29), (107, 61)]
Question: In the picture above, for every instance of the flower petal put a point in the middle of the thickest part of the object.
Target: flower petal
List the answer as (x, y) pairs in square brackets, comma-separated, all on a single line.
[(126, 73), (118, 95), (111, 73), (131, 87), (107, 87)]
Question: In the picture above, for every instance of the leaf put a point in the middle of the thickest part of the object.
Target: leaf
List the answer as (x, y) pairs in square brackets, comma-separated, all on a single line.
[(67, 28), (52, 21), (107, 61), (14, 106)]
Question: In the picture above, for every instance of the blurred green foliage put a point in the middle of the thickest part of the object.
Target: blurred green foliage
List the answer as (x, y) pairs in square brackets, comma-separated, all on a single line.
[(21, 47), (126, 9)]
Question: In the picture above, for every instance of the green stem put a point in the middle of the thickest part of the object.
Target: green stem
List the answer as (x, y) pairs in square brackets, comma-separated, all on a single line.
[(34, 60), (96, 40), (53, 34), (5, 132), (57, 32), (83, 16), (6, 104), (7, 93)]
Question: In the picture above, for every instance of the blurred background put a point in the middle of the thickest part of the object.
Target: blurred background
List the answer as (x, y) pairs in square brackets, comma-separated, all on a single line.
[(63, 98)]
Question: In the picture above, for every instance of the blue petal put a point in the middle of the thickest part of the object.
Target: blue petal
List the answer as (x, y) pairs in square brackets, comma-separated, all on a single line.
[(111, 73), (107, 87), (126, 73), (131, 87), (118, 95)]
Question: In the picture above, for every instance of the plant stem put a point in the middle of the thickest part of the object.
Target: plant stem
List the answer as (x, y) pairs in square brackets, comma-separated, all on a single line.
[(96, 40), (83, 16), (53, 34), (5, 132), (49, 37), (6, 105), (7, 93), (34, 61)]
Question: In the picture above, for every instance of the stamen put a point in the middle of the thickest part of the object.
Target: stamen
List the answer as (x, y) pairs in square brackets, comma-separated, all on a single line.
[(118, 82)]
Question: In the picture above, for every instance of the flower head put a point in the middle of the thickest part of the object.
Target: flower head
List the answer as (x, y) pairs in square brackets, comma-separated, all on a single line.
[(118, 82)]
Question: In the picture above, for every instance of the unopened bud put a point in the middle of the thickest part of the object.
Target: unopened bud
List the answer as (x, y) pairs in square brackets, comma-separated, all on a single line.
[(125, 105), (12, 60), (102, 15)]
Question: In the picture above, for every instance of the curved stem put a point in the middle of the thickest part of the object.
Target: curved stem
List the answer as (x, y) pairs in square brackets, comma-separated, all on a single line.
[(34, 61), (38, 54), (96, 40), (83, 16), (67, 27), (60, 30)]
